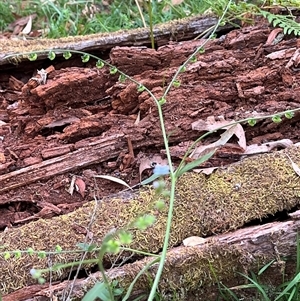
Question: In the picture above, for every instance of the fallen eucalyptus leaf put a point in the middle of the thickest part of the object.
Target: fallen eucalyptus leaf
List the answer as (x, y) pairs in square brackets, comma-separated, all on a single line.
[(113, 179)]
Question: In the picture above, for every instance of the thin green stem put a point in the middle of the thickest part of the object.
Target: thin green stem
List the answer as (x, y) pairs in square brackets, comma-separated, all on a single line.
[(197, 50), (173, 179), (151, 23)]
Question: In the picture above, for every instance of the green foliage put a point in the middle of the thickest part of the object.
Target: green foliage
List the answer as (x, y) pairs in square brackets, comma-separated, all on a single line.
[(287, 291), (51, 55), (67, 55), (6, 14), (62, 18), (85, 58), (100, 290), (143, 222), (287, 23)]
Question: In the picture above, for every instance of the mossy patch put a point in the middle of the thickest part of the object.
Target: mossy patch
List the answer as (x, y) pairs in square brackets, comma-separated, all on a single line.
[(224, 201)]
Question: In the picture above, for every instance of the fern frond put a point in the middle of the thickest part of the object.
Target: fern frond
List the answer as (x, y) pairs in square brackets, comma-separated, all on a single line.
[(285, 22)]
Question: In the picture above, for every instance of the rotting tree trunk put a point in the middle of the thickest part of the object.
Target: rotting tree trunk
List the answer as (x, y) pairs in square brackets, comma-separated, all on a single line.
[(71, 116), (188, 269), (203, 207), (62, 127), (177, 30)]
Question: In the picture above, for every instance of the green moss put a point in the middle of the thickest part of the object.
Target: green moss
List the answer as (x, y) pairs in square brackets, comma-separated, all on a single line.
[(203, 206)]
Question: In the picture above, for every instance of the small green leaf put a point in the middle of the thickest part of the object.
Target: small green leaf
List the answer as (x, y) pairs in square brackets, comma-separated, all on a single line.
[(162, 101), (83, 246), (118, 291), (67, 55), (150, 179), (143, 222), (58, 248), (193, 59), (42, 254), (252, 122), (17, 253), (113, 70), (141, 88), (6, 255), (201, 50), (91, 247), (99, 64), (159, 186), (176, 83), (276, 119), (194, 163), (32, 56), (51, 55), (41, 280), (85, 58), (289, 115), (30, 251), (182, 69), (112, 246), (125, 237), (99, 290), (122, 78), (160, 205)]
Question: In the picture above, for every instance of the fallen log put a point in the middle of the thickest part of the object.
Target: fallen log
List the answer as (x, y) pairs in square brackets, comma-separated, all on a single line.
[(238, 74), (267, 184), (177, 30), (193, 272)]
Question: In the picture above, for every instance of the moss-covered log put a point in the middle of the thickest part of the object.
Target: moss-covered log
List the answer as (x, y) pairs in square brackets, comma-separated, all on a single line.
[(226, 200), (193, 272), (177, 30)]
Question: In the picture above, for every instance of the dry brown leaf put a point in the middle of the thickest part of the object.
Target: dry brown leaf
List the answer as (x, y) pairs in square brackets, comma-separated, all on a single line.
[(138, 118), (210, 124), (27, 29), (62, 122), (206, 171), (236, 129), (72, 184), (193, 241), (267, 147), (80, 186)]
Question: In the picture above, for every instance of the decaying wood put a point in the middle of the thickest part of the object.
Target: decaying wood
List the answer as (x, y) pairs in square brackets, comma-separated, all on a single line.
[(84, 121), (203, 207), (237, 77), (178, 30), (254, 246), (99, 150)]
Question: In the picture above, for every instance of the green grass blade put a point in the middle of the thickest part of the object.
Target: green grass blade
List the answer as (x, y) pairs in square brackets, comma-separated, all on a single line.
[(265, 267), (140, 273), (229, 291), (298, 254), (194, 163), (292, 284), (258, 286)]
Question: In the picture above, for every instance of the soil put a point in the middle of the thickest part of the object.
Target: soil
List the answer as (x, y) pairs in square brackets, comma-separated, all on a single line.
[(82, 121)]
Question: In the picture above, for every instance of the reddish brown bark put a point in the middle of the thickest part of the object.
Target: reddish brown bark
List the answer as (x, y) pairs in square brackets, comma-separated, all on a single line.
[(83, 121)]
